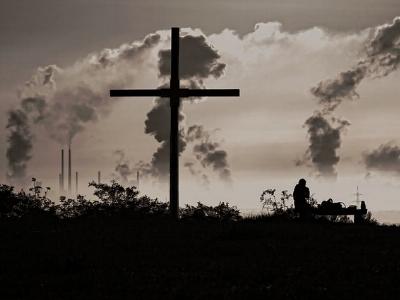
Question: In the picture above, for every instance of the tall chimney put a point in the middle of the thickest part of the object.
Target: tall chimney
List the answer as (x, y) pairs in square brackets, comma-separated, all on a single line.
[(69, 169), (59, 182), (76, 183), (62, 172), (98, 177), (137, 178)]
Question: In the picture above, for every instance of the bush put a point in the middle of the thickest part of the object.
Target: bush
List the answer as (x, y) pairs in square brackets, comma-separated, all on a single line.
[(17, 205), (221, 212), (113, 199)]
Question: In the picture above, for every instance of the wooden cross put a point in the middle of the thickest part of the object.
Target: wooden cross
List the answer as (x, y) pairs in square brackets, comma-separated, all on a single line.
[(175, 93)]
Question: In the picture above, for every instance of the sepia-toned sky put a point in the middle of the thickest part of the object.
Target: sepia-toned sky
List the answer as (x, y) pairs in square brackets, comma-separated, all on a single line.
[(274, 51)]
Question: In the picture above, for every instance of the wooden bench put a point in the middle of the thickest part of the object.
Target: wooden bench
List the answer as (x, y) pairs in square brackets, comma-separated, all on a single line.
[(358, 213)]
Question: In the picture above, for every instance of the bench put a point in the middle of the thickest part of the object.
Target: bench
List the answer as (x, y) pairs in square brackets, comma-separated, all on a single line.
[(358, 213)]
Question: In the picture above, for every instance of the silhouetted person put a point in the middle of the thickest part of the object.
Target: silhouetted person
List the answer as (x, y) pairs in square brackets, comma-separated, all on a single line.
[(300, 195)]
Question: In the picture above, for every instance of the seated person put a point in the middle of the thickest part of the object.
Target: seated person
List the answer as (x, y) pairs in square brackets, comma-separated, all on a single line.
[(301, 194)]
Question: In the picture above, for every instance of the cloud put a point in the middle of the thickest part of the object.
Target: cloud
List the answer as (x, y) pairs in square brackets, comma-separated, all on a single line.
[(324, 141), (208, 152), (332, 92), (20, 137), (386, 158), (381, 57), (123, 170), (198, 61), (64, 101)]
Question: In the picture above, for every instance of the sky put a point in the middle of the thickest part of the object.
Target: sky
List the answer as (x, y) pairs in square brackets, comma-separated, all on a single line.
[(318, 80)]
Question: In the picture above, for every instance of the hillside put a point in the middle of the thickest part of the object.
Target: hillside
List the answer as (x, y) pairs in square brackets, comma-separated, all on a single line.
[(158, 258)]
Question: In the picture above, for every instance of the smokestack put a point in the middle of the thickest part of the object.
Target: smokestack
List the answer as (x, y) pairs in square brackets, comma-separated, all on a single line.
[(69, 169), (137, 178), (76, 183), (62, 172), (59, 182), (98, 177)]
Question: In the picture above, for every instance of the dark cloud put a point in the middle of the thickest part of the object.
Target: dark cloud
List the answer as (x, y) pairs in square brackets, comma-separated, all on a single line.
[(383, 51), (325, 139), (382, 56), (64, 101), (66, 118), (19, 144), (197, 59), (208, 152), (123, 170), (331, 93), (20, 137), (158, 124), (386, 158)]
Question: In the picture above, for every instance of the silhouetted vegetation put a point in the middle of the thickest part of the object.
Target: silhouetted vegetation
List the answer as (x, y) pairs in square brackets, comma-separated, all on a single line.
[(19, 204), (111, 200), (124, 245), (222, 212)]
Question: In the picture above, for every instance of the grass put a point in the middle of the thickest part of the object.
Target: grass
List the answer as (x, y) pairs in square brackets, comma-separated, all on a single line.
[(159, 258)]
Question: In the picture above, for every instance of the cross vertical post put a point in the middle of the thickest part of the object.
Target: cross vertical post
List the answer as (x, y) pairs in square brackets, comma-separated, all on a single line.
[(174, 135)]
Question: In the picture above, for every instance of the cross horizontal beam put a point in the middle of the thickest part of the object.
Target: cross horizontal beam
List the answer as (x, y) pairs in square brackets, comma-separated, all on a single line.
[(181, 93)]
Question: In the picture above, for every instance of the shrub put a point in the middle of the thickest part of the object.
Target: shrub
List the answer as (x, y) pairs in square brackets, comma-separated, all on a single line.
[(221, 212), (21, 204), (113, 199)]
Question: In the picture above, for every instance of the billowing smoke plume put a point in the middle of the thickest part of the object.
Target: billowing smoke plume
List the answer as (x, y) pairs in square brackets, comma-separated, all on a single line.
[(20, 137), (123, 170), (208, 152), (64, 101), (386, 158), (197, 173), (324, 138), (198, 61), (158, 124), (382, 56), (332, 92)]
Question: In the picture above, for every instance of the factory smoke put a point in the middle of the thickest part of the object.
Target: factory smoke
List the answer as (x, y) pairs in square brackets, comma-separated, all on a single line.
[(198, 61), (380, 58), (324, 135), (20, 138), (386, 158), (64, 101), (208, 152), (123, 171)]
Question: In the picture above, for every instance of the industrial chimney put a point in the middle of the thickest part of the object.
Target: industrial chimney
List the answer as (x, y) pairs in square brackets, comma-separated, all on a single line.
[(76, 183), (59, 182), (69, 169), (62, 172), (98, 177)]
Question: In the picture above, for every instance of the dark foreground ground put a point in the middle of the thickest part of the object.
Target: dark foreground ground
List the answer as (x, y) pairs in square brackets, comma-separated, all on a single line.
[(162, 259)]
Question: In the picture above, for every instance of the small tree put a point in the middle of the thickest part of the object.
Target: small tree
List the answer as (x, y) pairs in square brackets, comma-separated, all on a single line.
[(276, 204)]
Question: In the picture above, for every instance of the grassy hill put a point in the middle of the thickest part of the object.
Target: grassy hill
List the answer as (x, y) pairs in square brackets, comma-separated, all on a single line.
[(159, 258)]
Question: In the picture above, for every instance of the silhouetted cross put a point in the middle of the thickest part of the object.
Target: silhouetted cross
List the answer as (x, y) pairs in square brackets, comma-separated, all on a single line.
[(174, 93)]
